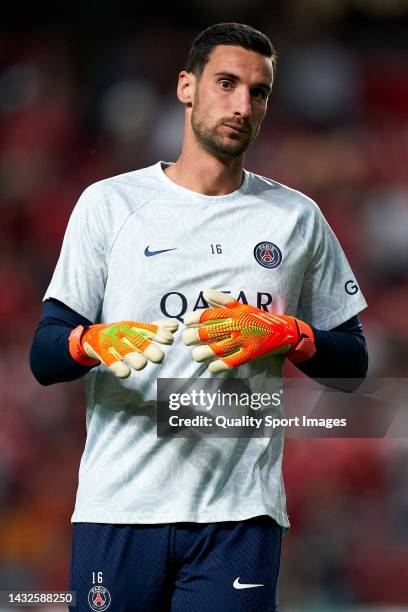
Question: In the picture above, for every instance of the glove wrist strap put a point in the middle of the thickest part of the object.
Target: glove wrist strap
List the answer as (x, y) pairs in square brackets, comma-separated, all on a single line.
[(305, 348), (76, 350)]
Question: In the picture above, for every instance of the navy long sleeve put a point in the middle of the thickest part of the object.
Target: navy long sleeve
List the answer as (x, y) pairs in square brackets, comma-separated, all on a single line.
[(340, 353), (50, 360)]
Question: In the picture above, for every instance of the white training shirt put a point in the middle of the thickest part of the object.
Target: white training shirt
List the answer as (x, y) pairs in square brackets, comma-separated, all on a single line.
[(127, 474)]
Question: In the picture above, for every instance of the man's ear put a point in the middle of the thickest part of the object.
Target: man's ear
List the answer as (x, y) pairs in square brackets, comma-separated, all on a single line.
[(186, 87)]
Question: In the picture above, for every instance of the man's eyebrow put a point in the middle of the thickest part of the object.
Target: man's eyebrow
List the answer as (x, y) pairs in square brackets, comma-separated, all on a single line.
[(235, 77)]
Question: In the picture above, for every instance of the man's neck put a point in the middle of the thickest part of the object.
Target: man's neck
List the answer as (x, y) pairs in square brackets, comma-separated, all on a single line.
[(205, 174)]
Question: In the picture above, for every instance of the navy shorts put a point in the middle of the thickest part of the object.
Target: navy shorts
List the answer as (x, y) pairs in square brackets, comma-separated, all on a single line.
[(177, 567)]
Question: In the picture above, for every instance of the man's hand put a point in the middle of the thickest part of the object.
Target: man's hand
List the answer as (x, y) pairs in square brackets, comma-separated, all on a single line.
[(121, 345), (238, 333)]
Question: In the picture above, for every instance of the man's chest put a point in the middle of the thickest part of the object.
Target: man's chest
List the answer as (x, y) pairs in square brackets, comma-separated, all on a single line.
[(172, 258)]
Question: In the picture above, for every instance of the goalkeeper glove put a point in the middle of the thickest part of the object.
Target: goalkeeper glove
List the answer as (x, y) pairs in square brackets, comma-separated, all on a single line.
[(238, 333), (121, 345)]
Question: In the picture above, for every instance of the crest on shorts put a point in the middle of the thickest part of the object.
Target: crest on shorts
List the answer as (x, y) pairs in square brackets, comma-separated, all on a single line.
[(99, 598), (268, 254)]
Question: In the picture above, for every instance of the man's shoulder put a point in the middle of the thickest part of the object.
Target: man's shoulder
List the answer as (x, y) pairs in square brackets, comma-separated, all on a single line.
[(121, 195), (270, 189), (122, 183)]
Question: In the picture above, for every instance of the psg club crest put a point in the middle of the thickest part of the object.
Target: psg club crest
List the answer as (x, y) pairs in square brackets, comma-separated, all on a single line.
[(99, 598), (267, 254)]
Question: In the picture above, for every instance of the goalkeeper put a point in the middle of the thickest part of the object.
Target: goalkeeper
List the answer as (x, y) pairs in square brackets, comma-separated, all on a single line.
[(188, 524)]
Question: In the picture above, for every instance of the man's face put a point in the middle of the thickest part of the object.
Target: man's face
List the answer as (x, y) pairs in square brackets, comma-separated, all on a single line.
[(230, 100)]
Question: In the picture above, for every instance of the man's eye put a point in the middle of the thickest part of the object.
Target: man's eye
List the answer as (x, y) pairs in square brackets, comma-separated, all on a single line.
[(259, 94), (226, 84)]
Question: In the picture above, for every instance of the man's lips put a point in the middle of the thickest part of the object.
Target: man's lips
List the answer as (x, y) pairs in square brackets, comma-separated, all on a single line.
[(238, 128)]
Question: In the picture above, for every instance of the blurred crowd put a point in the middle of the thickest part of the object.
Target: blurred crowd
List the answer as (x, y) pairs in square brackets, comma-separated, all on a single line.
[(71, 113)]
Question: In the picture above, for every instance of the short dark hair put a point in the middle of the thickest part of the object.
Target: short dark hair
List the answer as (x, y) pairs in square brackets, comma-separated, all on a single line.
[(229, 33)]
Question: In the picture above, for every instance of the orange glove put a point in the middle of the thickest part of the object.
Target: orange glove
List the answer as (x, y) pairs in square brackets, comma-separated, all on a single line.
[(238, 333), (120, 345)]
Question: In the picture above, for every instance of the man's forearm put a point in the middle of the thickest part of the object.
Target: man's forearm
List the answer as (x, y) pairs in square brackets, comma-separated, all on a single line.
[(341, 353), (50, 360)]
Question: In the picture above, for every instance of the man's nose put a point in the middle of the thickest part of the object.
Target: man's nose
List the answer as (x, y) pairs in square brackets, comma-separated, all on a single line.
[(242, 102)]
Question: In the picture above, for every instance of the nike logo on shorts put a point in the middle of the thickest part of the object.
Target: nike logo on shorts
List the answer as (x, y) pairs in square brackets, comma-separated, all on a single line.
[(238, 585), (151, 253)]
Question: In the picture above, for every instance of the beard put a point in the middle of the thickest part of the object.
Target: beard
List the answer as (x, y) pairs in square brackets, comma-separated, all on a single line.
[(210, 137)]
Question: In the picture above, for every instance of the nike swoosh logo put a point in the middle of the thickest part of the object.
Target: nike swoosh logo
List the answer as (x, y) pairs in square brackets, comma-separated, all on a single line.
[(238, 585), (151, 253)]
